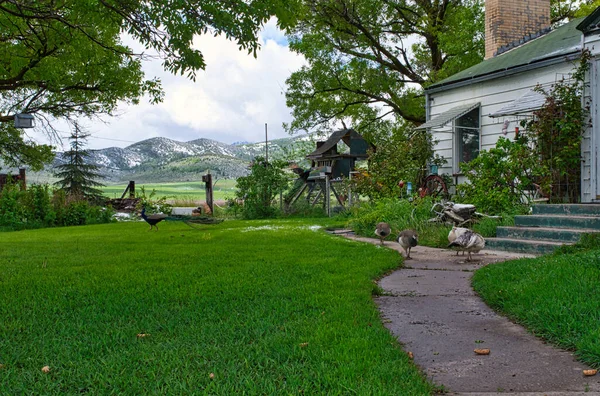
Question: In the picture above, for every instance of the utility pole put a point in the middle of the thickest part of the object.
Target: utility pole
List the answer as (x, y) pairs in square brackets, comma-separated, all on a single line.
[(266, 145)]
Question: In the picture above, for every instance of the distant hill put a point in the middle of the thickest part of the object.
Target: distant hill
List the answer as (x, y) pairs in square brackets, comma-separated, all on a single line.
[(162, 160)]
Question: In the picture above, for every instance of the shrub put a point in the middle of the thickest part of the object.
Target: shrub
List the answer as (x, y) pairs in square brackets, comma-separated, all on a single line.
[(265, 181), (39, 207)]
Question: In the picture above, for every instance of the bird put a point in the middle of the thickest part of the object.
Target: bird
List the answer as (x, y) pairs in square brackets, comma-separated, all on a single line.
[(408, 239), (469, 241), (454, 233), (382, 231), (153, 219)]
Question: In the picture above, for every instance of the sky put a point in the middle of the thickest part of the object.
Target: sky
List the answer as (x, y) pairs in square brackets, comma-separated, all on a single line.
[(230, 101)]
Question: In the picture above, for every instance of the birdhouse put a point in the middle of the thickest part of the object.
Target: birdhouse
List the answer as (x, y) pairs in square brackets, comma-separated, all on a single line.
[(23, 120), (433, 169)]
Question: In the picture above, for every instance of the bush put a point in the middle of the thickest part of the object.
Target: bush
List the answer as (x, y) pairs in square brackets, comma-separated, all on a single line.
[(501, 178), (39, 207), (257, 190)]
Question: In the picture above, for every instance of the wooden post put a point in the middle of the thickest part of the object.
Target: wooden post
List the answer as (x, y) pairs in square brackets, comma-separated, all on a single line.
[(132, 189), (327, 197), (207, 179)]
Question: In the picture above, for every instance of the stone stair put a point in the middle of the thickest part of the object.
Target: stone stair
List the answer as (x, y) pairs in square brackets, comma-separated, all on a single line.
[(548, 227)]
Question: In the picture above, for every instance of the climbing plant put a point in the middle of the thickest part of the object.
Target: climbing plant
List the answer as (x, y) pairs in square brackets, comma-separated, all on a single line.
[(545, 157), (557, 129)]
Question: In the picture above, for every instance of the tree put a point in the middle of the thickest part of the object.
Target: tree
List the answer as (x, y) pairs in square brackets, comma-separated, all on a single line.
[(78, 178), (371, 59), (260, 187), (66, 59)]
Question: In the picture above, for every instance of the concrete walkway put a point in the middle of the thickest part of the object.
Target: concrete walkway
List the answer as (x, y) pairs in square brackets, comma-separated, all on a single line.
[(436, 315)]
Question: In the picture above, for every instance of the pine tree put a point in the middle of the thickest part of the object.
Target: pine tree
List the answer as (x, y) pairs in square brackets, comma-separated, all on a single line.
[(76, 177)]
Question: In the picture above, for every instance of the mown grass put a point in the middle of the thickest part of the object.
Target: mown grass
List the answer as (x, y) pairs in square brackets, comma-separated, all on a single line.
[(555, 297), (190, 192), (268, 307)]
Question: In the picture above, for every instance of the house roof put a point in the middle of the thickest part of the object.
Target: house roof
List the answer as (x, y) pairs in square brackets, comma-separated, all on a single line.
[(553, 46), (448, 116), (345, 135), (591, 23)]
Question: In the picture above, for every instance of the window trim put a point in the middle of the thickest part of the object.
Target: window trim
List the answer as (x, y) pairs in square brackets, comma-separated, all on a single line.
[(455, 139)]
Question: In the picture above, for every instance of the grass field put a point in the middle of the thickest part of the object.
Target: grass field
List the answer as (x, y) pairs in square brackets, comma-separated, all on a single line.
[(180, 192), (258, 307), (555, 297)]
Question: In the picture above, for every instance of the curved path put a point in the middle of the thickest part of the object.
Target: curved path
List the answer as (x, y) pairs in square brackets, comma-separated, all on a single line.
[(433, 311)]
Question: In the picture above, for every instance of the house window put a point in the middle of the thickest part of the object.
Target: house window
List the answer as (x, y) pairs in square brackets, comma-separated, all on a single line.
[(467, 134)]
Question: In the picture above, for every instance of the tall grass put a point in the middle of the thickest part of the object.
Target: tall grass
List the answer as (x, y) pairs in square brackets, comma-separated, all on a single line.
[(266, 307), (402, 214)]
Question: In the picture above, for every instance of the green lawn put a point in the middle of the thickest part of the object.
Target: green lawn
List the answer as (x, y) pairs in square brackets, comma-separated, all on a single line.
[(555, 297), (275, 307), (185, 191)]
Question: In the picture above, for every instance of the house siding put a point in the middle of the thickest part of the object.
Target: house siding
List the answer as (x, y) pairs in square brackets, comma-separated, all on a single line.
[(493, 95), (590, 188)]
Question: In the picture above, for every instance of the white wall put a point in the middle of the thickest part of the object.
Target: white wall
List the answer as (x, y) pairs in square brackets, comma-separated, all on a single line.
[(590, 166), (493, 95)]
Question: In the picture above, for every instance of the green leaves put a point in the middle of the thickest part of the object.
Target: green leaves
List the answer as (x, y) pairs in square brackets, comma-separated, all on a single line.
[(370, 59)]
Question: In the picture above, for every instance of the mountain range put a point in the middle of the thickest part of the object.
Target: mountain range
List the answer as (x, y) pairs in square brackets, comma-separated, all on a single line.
[(163, 160)]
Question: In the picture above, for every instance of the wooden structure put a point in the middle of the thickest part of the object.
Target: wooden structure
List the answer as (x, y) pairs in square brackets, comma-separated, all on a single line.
[(131, 188), (208, 186), (329, 166), (7, 177)]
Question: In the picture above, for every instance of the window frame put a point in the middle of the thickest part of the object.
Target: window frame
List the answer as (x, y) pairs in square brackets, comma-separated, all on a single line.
[(457, 141)]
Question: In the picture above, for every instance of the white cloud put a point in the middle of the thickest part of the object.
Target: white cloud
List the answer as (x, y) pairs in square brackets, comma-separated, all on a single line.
[(230, 101)]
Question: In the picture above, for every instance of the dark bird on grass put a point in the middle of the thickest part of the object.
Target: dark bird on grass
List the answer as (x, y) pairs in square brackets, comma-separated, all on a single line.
[(153, 219), (454, 233), (382, 231), (408, 239), (468, 242)]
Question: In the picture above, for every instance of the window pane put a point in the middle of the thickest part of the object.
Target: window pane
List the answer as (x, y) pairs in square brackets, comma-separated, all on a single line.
[(471, 119), (467, 135), (468, 144)]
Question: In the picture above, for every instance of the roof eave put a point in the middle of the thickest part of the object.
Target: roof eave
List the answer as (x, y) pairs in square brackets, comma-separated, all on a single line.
[(505, 72)]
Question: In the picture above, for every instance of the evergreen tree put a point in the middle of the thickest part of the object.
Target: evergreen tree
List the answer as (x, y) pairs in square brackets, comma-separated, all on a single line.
[(76, 177)]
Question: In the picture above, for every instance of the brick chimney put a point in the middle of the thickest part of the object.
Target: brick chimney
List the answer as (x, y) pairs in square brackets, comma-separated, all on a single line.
[(507, 21)]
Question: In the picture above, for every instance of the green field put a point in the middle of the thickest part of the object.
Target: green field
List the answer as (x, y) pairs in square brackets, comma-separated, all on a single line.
[(277, 307), (180, 192)]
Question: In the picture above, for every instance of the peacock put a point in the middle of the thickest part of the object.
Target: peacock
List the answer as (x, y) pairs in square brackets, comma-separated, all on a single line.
[(469, 242), (454, 233), (153, 219), (382, 230), (408, 239)]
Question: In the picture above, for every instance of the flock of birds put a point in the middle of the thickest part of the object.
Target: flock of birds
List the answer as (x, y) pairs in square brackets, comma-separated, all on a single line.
[(459, 238)]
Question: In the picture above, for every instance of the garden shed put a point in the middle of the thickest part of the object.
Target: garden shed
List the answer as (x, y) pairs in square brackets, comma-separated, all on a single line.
[(470, 110)]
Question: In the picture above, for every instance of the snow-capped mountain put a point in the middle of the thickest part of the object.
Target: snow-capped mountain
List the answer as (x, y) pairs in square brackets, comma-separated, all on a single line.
[(162, 159)]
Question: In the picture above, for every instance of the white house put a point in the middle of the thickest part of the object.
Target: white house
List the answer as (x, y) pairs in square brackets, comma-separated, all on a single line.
[(470, 110)]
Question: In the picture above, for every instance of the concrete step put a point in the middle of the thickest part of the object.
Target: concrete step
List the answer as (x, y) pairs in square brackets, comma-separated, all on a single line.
[(522, 245), (558, 221), (568, 209), (564, 235)]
